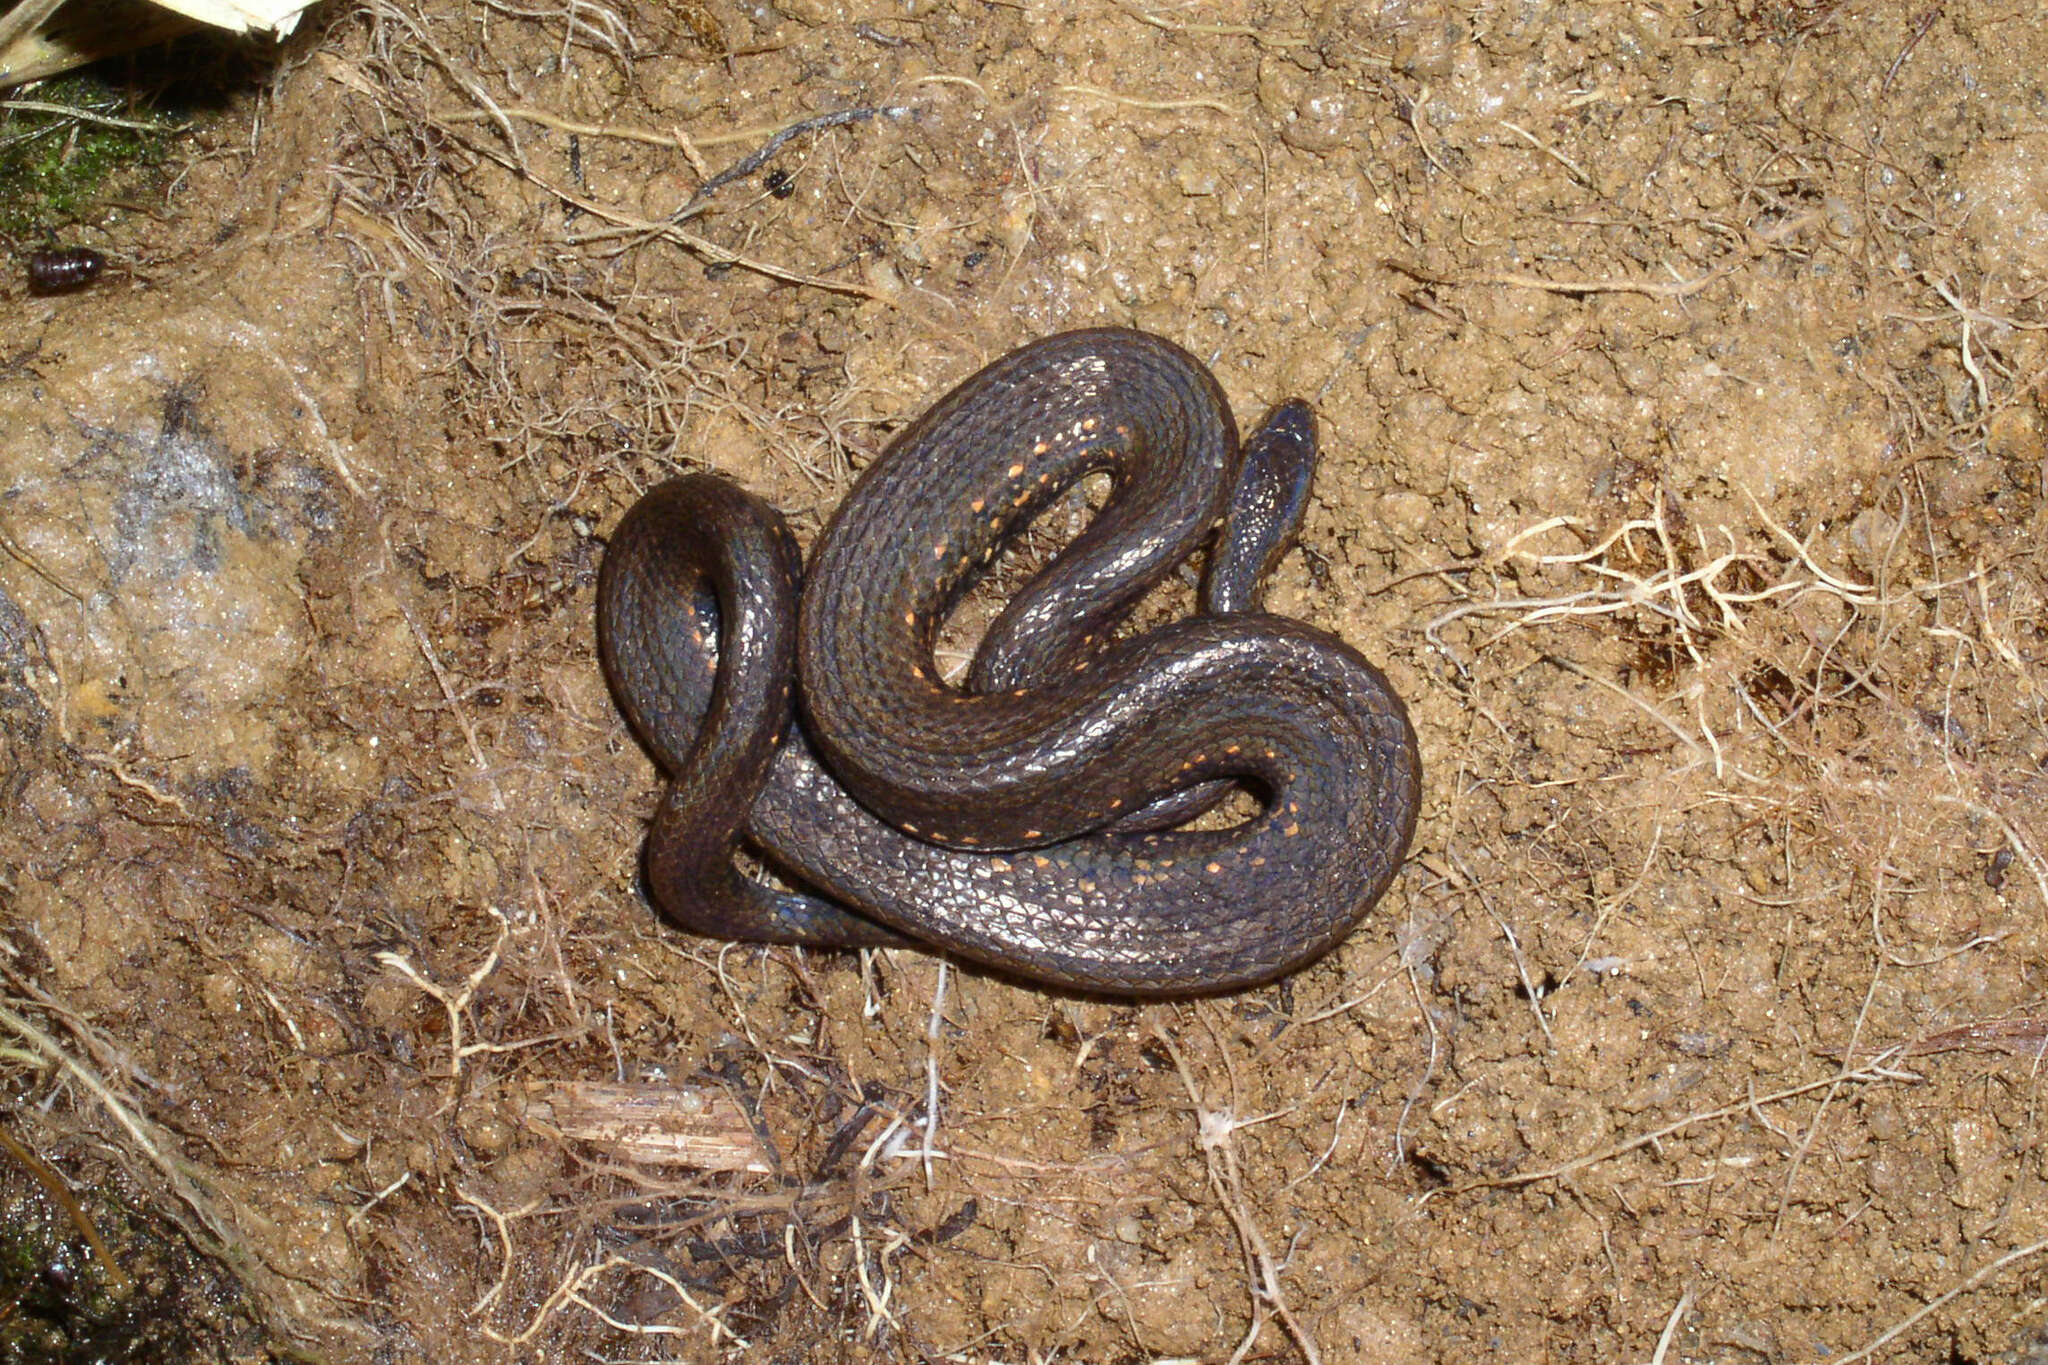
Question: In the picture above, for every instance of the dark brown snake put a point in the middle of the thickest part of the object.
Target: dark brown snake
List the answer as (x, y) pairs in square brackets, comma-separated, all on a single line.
[(1016, 820)]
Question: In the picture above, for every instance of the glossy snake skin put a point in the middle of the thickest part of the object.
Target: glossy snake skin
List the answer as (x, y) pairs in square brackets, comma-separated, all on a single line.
[(1014, 819)]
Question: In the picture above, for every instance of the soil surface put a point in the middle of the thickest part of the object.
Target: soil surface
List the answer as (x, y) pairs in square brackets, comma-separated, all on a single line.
[(1681, 374)]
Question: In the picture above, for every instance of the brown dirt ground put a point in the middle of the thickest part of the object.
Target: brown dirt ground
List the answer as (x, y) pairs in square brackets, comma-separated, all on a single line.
[(1682, 372)]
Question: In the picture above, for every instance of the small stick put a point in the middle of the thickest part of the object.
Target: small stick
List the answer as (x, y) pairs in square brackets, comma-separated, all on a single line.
[(61, 1192), (754, 160)]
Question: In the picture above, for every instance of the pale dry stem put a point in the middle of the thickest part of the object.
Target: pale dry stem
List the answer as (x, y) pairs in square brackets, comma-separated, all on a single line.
[(575, 1287), (1701, 594), (204, 1212), (1877, 1069), (1934, 1305), (1215, 1134)]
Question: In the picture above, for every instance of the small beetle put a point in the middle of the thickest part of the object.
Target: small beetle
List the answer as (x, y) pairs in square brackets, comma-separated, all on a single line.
[(65, 271)]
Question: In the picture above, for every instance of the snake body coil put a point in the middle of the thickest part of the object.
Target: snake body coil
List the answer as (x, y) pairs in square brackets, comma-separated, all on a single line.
[(1023, 819)]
